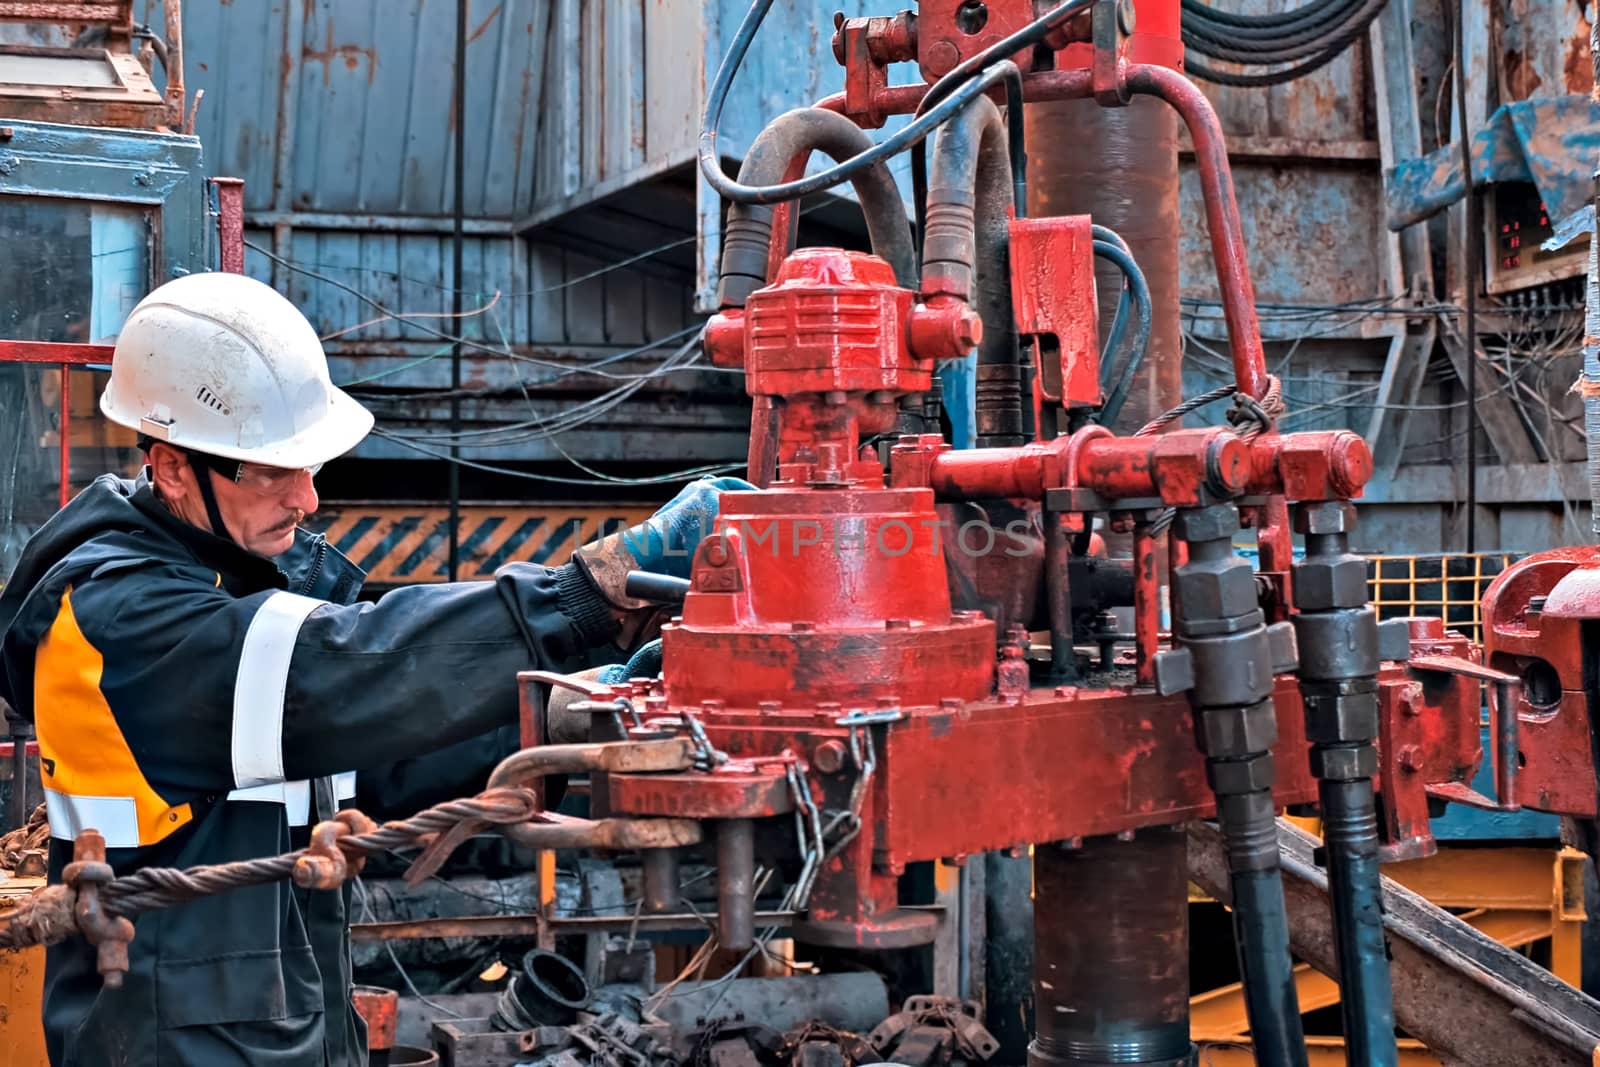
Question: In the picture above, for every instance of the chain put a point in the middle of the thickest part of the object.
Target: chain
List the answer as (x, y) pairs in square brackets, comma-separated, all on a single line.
[(864, 753), (808, 824), (706, 755)]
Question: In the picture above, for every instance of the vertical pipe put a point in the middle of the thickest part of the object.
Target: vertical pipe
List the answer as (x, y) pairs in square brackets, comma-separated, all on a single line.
[(65, 433), (1058, 593), (736, 884), (458, 243), (1469, 276), (1337, 633), (230, 224), (660, 879), (174, 65), (1146, 603), (21, 732), (1111, 976), (1216, 622)]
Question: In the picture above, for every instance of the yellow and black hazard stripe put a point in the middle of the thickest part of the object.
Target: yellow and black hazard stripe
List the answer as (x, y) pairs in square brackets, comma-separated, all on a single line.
[(401, 545)]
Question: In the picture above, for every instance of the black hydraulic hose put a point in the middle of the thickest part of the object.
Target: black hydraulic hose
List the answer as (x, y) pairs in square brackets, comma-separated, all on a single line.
[(1196, 9), (1336, 46), (1350, 834), (1291, 51), (1266, 968), (1196, 69), (1222, 33), (970, 78), (748, 232), (1139, 290), (966, 241)]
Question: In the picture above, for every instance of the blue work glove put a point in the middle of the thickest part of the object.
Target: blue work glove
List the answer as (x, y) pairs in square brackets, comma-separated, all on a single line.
[(645, 663), (663, 544)]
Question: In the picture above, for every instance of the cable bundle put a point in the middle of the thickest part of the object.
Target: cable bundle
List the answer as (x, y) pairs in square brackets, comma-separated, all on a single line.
[(1309, 37)]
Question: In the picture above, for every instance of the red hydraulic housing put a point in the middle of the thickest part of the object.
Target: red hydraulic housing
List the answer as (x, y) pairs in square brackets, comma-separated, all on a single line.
[(878, 673)]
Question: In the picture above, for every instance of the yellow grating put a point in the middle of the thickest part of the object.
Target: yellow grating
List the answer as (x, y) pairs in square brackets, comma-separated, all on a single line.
[(1450, 587)]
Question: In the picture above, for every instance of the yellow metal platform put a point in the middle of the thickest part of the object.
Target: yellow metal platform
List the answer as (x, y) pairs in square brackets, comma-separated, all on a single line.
[(1518, 896)]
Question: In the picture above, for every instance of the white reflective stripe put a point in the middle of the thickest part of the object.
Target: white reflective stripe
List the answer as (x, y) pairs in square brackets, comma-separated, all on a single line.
[(117, 818), (259, 687), (344, 786), (295, 798)]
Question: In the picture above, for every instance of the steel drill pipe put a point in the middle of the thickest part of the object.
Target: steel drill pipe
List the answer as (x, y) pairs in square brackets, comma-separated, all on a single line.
[(736, 884), (1111, 942)]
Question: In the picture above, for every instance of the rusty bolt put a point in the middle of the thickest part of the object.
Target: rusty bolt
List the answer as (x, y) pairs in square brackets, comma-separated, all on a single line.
[(1411, 758), (829, 756)]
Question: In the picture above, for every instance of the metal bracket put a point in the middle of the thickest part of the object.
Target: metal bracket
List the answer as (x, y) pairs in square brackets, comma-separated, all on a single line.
[(1174, 671)]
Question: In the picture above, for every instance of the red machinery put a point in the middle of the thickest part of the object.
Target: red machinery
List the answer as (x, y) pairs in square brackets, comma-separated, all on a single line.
[(854, 662)]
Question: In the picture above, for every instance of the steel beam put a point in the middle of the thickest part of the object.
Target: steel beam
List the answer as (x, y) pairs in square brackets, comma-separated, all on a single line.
[(1473, 1001)]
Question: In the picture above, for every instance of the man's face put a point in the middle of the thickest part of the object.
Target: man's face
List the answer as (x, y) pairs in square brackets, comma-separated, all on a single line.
[(260, 510)]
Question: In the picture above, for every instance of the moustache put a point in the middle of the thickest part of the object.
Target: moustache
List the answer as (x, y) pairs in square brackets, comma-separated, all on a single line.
[(289, 524)]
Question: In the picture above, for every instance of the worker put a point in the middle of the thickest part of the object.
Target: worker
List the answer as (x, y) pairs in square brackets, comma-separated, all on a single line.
[(203, 686)]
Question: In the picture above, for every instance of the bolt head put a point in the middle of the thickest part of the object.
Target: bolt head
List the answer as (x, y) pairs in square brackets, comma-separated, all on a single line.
[(1325, 517), (1216, 589), (829, 756), (1207, 524), (1325, 582)]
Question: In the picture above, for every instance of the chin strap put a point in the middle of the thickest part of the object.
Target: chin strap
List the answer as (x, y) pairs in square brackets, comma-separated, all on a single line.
[(202, 474)]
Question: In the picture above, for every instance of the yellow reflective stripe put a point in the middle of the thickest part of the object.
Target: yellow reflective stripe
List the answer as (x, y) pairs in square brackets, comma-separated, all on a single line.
[(82, 753)]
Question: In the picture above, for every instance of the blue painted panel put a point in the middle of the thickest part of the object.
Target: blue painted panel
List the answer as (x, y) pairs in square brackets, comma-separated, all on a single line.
[(369, 89)]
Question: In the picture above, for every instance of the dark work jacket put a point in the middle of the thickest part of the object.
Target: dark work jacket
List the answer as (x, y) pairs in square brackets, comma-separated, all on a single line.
[(195, 708)]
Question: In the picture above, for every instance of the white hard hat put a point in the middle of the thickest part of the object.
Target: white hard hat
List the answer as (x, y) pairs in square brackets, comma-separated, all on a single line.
[(225, 365)]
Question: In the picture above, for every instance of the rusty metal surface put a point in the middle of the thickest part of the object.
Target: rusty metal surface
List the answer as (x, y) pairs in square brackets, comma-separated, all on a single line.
[(1470, 999), (1547, 644), (1549, 141)]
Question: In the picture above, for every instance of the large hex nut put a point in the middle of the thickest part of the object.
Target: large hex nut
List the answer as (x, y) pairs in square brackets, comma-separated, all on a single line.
[(1207, 524), (1232, 777), (1336, 719), (1324, 582), (1216, 589), (1344, 764), (1239, 731), (1325, 517)]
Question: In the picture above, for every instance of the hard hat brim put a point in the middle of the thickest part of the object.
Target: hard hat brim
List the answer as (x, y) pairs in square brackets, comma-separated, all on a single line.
[(345, 424)]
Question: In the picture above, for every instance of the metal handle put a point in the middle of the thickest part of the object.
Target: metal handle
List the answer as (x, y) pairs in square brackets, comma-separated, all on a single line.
[(657, 588)]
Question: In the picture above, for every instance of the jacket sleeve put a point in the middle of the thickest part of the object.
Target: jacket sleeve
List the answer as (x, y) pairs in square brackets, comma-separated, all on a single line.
[(229, 692)]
